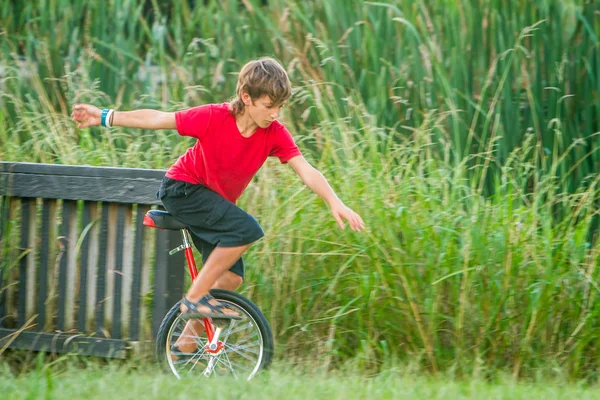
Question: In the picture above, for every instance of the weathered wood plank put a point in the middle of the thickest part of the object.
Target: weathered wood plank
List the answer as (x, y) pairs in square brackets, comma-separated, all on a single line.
[(61, 343), (54, 255), (131, 191), (86, 220), (176, 269), (136, 281), (101, 271), (109, 296), (168, 275), (5, 217), (93, 236), (78, 170), (66, 277), (27, 215), (159, 308), (9, 287), (117, 273), (72, 270), (148, 263), (127, 273), (48, 218), (29, 237)]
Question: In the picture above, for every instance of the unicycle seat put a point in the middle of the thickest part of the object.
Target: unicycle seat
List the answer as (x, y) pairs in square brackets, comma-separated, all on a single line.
[(162, 220)]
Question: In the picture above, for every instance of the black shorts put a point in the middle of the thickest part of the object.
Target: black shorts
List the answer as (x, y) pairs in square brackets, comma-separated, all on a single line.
[(213, 220)]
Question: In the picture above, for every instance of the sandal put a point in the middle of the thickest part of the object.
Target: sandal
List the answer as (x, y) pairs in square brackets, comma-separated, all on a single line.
[(216, 311)]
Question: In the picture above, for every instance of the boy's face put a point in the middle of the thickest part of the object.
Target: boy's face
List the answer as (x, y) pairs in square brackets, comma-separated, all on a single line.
[(262, 110)]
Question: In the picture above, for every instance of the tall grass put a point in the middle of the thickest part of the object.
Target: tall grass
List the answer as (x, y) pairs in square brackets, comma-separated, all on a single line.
[(462, 131)]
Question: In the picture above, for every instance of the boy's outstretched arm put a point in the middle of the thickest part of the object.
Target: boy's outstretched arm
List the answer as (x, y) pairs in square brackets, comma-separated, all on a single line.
[(87, 115), (318, 184)]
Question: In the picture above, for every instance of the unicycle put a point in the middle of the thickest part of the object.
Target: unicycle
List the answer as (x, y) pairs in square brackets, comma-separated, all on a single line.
[(239, 348)]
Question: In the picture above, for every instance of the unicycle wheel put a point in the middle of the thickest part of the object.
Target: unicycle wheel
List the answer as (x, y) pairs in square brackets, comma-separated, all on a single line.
[(244, 346)]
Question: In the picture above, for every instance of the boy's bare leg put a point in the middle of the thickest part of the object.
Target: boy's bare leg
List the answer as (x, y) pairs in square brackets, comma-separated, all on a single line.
[(218, 262), (194, 327), (214, 272)]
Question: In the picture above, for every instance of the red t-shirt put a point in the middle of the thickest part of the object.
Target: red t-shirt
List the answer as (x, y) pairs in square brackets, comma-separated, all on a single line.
[(222, 159)]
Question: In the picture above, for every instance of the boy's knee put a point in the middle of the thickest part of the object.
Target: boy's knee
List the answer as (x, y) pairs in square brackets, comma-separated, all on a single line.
[(236, 280), (229, 281)]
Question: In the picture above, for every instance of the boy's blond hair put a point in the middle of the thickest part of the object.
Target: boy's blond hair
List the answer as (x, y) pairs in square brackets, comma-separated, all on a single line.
[(260, 77)]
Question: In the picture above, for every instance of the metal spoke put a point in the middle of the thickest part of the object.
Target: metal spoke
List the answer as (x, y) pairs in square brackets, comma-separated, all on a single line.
[(198, 355), (237, 348), (196, 363), (181, 335), (239, 329), (236, 364), (228, 366), (249, 358), (179, 354)]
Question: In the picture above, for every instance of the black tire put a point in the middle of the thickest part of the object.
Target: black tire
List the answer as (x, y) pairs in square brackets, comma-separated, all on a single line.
[(245, 305)]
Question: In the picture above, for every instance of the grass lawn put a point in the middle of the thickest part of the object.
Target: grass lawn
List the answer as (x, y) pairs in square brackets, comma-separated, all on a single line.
[(121, 382)]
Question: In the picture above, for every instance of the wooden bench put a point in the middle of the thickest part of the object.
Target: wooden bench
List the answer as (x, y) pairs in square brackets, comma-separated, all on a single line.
[(78, 271)]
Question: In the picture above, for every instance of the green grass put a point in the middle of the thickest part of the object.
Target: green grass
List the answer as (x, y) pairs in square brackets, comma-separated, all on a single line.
[(281, 382)]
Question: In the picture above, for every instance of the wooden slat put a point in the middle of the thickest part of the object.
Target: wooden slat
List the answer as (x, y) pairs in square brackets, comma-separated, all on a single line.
[(61, 343), (117, 273), (176, 267), (136, 281), (108, 184), (127, 272), (72, 271), (11, 286), (48, 223), (131, 191), (168, 275), (148, 262), (93, 247), (83, 267), (110, 267), (5, 217), (27, 215), (101, 271), (66, 279), (62, 275), (55, 252), (78, 170), (160, 280), (123, 185), (31, 259)]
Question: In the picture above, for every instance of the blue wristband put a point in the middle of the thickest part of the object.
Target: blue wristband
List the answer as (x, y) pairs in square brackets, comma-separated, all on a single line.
[(103, 118)]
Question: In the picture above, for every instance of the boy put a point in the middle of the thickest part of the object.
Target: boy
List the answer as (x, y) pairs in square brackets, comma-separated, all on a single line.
[(201, 188)]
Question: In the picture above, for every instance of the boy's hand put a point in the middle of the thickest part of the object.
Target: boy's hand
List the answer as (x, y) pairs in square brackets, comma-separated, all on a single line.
[(86, 115), (341, 212)]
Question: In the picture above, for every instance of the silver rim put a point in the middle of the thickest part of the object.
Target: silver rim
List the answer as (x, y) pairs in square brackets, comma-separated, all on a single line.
[(240, 357)]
